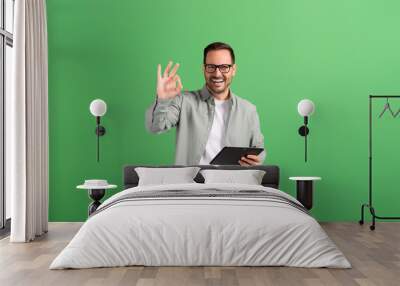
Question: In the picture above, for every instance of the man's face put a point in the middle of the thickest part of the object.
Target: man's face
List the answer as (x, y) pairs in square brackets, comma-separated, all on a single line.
[(218, 82)]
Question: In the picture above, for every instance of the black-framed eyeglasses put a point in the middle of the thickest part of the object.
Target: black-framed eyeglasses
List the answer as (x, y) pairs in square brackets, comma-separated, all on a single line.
[(222, 68)]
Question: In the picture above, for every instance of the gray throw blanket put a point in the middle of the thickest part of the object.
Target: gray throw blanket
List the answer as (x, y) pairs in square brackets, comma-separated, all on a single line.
[(202, 194)]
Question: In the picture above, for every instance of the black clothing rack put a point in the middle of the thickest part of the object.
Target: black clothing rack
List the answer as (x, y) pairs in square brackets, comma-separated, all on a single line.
[(369, 205)]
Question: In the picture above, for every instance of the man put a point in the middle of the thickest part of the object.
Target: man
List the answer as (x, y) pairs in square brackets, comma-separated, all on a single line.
[(207, 119)]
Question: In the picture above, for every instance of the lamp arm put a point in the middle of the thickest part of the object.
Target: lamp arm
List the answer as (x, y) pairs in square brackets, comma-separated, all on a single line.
[(98, 147), (305, 148), (98, 137), (305, 138)]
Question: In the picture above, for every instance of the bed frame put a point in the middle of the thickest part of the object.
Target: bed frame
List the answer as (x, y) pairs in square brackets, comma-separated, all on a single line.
[(270, 179)]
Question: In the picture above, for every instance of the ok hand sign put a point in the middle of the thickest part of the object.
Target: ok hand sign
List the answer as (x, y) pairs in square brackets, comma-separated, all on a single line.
[(169, 84)]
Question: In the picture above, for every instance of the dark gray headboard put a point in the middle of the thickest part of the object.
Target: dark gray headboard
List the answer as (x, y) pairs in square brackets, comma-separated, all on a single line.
[(271, 177)]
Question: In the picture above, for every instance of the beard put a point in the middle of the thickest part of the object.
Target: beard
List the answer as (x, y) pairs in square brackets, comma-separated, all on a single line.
[(218, 89)]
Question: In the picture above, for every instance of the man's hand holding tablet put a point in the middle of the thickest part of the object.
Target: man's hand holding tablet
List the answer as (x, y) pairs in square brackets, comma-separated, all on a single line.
[(250, 160)]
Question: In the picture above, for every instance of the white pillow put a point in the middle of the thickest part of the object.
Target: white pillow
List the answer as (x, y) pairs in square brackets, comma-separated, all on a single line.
[(248, 177), (163, 176)]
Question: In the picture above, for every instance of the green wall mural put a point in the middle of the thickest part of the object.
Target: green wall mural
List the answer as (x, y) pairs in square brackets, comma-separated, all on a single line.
[(335, 53)]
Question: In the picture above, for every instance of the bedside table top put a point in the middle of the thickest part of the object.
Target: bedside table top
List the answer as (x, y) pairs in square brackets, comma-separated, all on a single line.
[(305, 178), (96, 184), (85, 187)]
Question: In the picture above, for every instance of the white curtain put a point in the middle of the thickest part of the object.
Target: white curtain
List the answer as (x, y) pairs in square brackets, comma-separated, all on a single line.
[(27, 124)]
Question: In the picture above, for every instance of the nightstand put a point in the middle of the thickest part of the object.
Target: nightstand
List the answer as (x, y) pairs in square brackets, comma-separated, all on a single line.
[(96, 190), (304, 189)]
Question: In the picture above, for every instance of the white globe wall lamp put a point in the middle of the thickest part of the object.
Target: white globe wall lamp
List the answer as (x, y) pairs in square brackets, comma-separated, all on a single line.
[(305, 108), (98, 108)]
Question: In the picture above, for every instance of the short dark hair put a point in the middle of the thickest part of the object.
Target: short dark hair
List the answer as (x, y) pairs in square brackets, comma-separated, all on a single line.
[(218, 46)]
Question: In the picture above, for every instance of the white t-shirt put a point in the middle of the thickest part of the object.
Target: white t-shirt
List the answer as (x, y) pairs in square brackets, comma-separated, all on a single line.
[(217, 132)]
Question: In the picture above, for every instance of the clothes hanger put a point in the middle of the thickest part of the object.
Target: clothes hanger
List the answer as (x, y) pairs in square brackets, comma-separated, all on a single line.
[(386, 107), (397, 113)]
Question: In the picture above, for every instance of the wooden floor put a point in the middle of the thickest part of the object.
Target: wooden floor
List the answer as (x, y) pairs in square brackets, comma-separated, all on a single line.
[(375, 257)]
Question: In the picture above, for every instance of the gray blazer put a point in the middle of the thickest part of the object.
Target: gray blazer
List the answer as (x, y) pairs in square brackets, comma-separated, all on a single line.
[(192, 114)]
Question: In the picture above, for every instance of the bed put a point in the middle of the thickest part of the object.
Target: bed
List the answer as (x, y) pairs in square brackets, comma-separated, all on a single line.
[(199, 224)]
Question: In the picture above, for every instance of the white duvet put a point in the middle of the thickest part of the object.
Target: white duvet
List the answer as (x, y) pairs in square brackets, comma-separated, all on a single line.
[(200, 231)]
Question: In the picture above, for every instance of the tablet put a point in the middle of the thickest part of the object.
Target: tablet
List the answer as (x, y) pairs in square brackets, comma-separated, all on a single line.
[(232, 155)]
